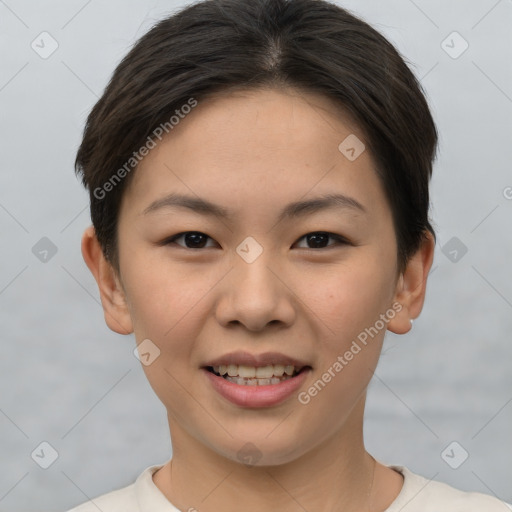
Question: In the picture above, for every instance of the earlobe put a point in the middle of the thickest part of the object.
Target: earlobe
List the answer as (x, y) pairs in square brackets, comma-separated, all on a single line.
[(411, 286), (113, 300)]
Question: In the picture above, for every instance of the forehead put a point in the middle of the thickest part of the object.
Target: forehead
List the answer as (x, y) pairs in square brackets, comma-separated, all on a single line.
[(248, 147)]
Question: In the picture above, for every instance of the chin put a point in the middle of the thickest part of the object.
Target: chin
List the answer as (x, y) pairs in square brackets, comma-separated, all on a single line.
[(257, 449)]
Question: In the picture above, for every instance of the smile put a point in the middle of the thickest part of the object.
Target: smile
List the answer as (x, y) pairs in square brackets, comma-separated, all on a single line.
[(255, 376), (255, 392)]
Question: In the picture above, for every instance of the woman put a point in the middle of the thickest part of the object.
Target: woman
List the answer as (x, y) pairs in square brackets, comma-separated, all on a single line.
[(258, 174)]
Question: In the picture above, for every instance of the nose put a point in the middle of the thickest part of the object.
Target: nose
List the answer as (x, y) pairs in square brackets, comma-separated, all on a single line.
[(256, 295)]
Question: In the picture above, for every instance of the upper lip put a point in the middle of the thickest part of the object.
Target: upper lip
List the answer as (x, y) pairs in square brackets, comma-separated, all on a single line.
[(256, 360)]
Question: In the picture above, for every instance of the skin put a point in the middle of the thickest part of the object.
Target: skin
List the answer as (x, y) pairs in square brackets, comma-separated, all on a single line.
[(254, 152)]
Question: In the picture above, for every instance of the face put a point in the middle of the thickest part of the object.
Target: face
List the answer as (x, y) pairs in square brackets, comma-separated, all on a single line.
[(304, 281)]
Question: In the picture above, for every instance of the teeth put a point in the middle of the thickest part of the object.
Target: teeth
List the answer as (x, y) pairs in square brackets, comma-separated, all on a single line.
[(251, 372), (247, 372), (278, 370), (256, 382), (264, 372), (289, 370)]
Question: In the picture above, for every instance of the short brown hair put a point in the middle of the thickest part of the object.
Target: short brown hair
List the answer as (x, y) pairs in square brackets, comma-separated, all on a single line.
[(216, 45)]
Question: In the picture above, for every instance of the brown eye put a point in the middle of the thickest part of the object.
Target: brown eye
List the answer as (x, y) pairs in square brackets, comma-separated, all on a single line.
[(192, 239), (319, 240), (198, 240)]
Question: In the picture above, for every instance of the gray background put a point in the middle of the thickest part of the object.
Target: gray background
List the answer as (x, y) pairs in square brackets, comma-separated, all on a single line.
[(68, 380)]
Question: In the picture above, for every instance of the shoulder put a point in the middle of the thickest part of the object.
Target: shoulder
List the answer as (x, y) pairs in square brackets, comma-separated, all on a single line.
[(120, 500), (420, 494), (142, 493)]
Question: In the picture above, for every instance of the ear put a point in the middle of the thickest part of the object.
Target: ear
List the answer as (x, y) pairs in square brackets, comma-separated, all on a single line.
[(113, 299), (411, 286)]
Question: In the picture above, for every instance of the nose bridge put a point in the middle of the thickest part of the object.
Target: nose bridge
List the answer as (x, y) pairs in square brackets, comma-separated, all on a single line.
[(252, 262), (257, 274)]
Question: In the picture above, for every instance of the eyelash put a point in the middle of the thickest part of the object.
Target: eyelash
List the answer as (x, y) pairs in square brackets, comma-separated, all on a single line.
[(341, 240)]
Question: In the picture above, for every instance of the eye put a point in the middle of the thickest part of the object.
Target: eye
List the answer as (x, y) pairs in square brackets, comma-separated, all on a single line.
[(193, 239), (319, 238), (197, 240)]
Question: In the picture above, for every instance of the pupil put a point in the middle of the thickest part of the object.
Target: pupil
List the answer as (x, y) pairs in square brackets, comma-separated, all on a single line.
[(194, 238), (314, 238)]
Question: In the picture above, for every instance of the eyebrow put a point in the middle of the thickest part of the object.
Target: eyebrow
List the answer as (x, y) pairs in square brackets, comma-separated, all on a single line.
[(292, 210)]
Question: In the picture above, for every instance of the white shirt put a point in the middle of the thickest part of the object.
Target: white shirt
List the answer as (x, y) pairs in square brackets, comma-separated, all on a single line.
[(418, 494)]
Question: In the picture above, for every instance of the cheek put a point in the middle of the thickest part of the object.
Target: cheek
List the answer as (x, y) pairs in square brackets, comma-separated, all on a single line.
[(347, 304), (348, 298), (167, 304), (163, 296)]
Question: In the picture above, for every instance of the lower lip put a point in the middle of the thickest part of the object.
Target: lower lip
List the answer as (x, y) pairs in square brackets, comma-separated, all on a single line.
[(256, 396)]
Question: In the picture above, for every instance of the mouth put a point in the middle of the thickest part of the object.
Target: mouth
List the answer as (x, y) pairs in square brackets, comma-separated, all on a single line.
[(256, 380), (256, 386), (257, 375)]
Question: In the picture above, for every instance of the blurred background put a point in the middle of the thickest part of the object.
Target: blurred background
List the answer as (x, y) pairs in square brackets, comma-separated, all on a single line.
[(74, 399)]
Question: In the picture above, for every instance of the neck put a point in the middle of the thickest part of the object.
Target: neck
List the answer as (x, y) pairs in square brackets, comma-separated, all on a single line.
[(337, 474)]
